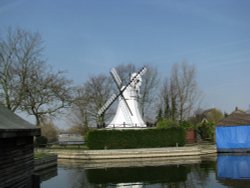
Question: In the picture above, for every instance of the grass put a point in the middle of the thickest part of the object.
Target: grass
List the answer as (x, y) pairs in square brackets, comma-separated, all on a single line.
[(39, 155), (82, 147)]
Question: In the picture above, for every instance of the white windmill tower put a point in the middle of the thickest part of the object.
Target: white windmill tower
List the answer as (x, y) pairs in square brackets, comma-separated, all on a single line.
[(127, 113)]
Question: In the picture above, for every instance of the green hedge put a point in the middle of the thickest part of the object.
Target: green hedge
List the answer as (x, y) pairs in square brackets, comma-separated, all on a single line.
[(135, 138)]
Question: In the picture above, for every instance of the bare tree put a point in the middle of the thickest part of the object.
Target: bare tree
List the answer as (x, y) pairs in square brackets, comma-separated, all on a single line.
[(184, 79), (149, 92), (78, 129), (168, 100), (19, 52), (79, 118), (26, 82), (47, 93), (91, 97), (125, 71), (164, 105), (180, 93)]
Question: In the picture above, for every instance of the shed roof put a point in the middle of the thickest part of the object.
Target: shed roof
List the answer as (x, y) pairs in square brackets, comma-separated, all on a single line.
[(11, 125), (235, 119)]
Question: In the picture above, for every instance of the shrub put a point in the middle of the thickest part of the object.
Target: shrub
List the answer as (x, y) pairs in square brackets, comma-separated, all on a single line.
[(206, 130), (41, 141), (135, 138), (187, 125), (166, 123)]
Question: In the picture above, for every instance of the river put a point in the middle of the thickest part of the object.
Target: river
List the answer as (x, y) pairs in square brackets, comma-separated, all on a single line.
[(228, 170)]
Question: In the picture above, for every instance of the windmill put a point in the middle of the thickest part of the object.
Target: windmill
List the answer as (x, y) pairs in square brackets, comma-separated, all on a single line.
[(127, 113)]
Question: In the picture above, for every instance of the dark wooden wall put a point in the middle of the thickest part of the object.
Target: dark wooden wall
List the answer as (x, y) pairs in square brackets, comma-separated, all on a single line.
[(16, 162)]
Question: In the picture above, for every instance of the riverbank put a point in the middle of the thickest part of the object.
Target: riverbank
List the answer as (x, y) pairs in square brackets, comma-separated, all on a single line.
[(134, 157), (186, 151)]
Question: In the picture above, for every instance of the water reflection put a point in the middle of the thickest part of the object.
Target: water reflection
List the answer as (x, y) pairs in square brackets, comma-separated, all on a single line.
[(47, 173), (229, 170), (158, 174), (226, 171), (234, 169), (192, 175)]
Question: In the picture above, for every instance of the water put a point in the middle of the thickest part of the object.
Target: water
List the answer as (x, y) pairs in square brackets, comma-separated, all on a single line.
[(226, 171)]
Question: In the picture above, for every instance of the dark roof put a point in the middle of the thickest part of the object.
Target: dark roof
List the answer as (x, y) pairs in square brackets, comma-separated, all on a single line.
[(11, 125), (235, 119)]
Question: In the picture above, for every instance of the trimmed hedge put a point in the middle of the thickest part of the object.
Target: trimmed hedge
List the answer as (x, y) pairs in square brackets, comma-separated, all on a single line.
[(135, 138)]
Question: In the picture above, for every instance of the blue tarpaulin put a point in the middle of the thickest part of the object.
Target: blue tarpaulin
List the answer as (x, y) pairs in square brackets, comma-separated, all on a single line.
[(233, 167), (233, 137)]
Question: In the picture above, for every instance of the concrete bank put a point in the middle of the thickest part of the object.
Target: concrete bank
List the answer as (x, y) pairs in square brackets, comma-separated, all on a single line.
[(173, 152)]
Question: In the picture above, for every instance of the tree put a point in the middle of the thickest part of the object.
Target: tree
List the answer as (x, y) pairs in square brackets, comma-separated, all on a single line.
[(79, 117), (165, 100), (49, 130), (47, 93), (78, 129), (180, 92), (91, 97), (149, 92), (159, 115), (27, 83), (213, 115), (206, 130), (99, 91), (20, 51), (125, 71), (183, 78)]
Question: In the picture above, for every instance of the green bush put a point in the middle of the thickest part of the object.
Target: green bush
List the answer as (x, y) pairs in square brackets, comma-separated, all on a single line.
[(41, 141), (135, 138), (206, 130), (166, 123), (186, 125)]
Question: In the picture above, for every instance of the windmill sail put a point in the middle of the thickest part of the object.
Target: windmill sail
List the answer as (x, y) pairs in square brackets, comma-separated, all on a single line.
[(139, 73), (118, 82), (107, 104), (116, 78)]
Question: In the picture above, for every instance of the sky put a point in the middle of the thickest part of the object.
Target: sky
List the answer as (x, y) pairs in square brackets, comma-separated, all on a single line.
[(89, 37)]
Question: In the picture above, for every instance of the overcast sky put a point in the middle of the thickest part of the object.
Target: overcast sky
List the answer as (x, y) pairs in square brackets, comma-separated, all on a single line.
[(86, 37)]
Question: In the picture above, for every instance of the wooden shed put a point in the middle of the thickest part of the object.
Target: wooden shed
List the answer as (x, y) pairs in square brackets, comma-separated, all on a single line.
[(16, 150), (233, 133)]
